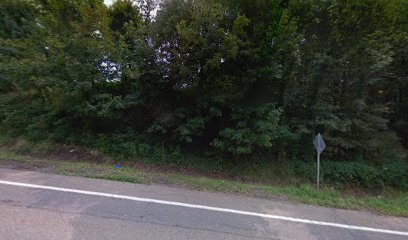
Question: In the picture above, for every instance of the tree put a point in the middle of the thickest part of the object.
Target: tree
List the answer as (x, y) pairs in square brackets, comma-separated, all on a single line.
[(235, 78)]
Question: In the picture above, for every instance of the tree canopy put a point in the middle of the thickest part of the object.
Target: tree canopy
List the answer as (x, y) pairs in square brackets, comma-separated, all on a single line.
[(234, 78)]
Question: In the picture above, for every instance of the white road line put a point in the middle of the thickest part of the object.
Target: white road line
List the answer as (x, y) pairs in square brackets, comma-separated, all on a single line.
[(203, 207)]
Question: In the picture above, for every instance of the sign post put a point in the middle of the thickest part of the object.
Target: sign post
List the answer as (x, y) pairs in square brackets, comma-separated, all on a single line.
[(320, 146)]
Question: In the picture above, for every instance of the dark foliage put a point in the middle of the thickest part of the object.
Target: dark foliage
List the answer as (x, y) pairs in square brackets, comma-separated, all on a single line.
[(231, 79)]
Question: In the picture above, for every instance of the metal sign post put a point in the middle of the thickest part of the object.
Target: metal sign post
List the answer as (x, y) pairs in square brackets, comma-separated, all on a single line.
[(320, 145), (318, 172)]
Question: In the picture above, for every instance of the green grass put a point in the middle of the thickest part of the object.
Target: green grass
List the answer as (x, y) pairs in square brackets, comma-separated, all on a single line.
[(390, 202), (100, 171), (8, 155), (395, 204), (309, 195), (208, 184), (303, 193)]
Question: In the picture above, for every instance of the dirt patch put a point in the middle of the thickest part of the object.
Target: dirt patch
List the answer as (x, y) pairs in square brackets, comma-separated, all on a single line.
[(77, 154), (15, 144), (257, 193), (34, 165), (350, 191)]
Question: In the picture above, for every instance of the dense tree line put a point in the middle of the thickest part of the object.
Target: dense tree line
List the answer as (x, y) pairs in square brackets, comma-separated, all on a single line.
[(233, 78)]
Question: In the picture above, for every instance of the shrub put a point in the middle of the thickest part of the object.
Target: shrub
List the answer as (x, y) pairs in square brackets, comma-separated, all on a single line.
[(395, 174), (362, 174)]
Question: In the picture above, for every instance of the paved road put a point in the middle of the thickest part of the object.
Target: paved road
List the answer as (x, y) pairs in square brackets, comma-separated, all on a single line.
[(83, 209)]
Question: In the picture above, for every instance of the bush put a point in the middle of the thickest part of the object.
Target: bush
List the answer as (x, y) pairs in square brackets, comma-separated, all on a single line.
[(355, 173), (132, 146), (394, 174)]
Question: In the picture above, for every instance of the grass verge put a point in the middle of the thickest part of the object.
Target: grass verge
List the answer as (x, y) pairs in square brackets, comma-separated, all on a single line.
[(391, 202)]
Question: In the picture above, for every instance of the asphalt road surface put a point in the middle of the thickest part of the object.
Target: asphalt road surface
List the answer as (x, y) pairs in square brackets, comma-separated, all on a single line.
[(44, 206)]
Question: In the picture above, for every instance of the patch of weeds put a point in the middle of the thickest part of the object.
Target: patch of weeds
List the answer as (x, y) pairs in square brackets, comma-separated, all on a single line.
[(395, 205), (100, 171), (121, 178), (310, 195), (209, 184), (12, 156), (77, 169), (41, 148)]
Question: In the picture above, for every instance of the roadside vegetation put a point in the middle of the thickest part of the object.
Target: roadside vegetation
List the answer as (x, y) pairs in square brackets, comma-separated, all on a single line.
[(78, 161), (223, 95)]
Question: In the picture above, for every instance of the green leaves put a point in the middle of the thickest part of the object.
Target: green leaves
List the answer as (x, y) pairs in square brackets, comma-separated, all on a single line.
[(193, 127), (232, 77), (255, 128), (18, 19)]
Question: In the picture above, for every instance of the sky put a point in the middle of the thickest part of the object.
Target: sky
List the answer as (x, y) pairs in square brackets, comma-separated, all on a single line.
[(108, 2)]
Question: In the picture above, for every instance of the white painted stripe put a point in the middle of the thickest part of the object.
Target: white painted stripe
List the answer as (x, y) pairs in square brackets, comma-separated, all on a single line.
[(203, 207)]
